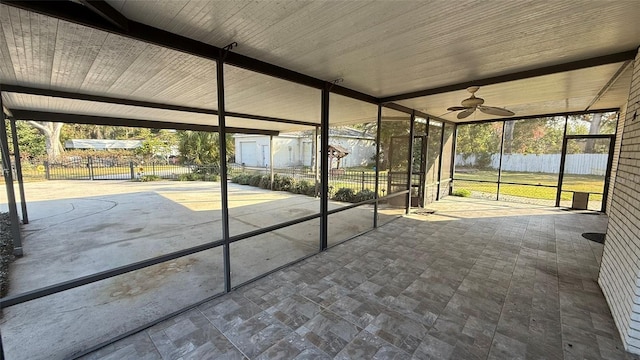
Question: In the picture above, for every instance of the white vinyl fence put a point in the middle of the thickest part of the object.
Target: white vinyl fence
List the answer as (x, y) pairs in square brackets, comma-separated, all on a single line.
[(578, 164)]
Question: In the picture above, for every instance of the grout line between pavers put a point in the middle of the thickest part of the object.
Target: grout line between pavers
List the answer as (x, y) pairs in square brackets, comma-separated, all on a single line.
[(515, 264), (456, 291), (558, 280), (223, 334)]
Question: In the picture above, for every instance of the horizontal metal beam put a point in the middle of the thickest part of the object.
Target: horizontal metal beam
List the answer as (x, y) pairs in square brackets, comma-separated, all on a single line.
[(591, 136), (117, 121), (504, 182), (65, 10), (408, 111), (351, 206), (76, 13), (548, 70), (140, 103), (398, 107), (528, 117), (609, 84), (267, 229), (107, 12), (271, 119), (341, 90)]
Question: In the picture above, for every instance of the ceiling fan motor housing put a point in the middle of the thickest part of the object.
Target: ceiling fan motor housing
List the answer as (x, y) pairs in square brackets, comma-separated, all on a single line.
[(472, 102)]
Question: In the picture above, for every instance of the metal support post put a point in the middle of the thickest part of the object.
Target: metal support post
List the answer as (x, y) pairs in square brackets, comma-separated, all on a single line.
[(324, 167), (377, 186), (562, 160), (410, 163), (90, 166), (222, 134), (444, 126), (271, 159), (500, 161), (607, 179), (316, 155), (18, 160), (11, 196), (453, 157)]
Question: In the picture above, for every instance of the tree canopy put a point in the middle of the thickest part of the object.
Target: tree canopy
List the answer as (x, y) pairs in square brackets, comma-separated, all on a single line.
[(202, 148), (30, 141), (533, 136)]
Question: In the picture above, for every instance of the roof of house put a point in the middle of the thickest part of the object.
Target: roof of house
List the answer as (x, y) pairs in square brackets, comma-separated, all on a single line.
[(102, 144), (342, 131)]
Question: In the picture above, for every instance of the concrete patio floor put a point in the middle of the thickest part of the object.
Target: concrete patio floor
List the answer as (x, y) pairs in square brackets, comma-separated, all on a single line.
[(477, 280), (79, 228)]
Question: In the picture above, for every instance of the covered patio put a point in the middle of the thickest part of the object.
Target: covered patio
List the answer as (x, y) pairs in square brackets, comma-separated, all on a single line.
[(479, 279), (455, 284)]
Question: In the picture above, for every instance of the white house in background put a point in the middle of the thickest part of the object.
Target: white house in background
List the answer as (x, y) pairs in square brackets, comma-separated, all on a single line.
[(297, 148)]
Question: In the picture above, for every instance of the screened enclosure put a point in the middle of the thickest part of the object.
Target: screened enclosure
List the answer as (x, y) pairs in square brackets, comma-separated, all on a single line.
[(545, 160)]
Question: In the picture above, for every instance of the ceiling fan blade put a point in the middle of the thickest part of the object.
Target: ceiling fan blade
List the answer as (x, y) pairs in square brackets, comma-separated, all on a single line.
[(456, 108), (492, 110), (467, 112)]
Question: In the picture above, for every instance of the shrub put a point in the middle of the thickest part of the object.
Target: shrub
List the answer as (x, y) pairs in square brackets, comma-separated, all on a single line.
[(6, 252), (189, 177), (304, 187), (210, 177), (146, 178), (242, 179), (265, 182), (198, 177), (364, 195), (461, 193), (312, 190), (282, 183), (254, 180), (344, 195), (210, 169)]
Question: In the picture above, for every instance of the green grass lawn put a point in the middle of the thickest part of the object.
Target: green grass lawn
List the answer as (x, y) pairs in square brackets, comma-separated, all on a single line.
[(585, 183)]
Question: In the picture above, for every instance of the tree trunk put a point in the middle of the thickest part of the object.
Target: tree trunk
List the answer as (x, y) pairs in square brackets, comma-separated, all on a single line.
[(509, 126), (594, 129), (51, 132)]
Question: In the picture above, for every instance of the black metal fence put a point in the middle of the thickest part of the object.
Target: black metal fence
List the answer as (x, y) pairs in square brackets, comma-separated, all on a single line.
[(92, 168), (338, 178), (106, 169)]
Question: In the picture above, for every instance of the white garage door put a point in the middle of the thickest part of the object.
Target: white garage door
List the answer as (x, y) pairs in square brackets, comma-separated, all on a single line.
[(248, 153)]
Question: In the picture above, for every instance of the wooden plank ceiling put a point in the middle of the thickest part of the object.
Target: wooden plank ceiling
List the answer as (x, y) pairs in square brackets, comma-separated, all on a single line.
[(379, 48)]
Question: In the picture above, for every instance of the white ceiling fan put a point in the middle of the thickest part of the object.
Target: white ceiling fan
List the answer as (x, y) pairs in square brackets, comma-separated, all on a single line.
[(470, 104)]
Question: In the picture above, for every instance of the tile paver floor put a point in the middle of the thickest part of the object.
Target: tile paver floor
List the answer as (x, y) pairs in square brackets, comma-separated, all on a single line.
[(496, 282)]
